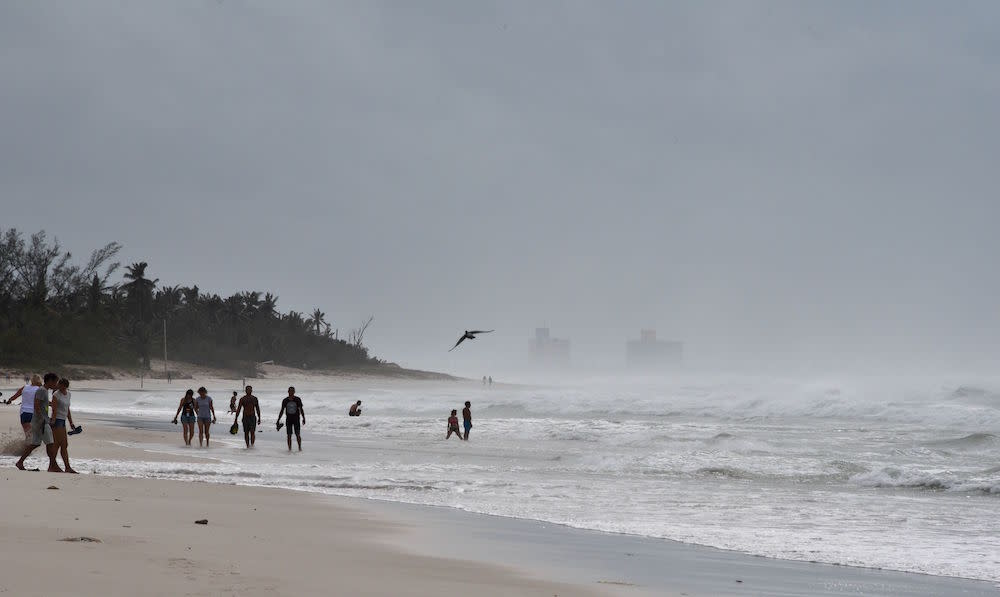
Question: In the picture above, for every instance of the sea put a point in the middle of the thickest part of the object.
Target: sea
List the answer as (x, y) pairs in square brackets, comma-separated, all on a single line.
[(893, 473)]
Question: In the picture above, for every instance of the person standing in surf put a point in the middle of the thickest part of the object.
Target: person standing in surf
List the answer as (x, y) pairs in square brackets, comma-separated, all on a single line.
[(206, 415), (250, 407), (453, 425), (186, 410), (467, 419), (291, 407), (355, 410)]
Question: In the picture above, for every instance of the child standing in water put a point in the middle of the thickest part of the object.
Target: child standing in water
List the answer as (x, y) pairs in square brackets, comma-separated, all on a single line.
[(453, 425)]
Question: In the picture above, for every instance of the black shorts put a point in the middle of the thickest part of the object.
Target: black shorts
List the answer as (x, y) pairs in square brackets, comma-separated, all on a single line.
[(293, 425), (249, 423)]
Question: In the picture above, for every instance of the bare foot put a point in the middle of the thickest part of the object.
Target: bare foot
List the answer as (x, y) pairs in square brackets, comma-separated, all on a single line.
[(55, 469), (20, 465), (71, 471)]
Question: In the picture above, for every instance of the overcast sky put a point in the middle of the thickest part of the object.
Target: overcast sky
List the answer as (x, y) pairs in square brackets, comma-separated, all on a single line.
[(782, 182)]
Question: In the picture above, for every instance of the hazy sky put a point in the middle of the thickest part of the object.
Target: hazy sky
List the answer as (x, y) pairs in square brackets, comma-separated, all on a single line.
[(771, 182)]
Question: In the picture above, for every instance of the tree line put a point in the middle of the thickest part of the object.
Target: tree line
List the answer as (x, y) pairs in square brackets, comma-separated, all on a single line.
[(54, 310)]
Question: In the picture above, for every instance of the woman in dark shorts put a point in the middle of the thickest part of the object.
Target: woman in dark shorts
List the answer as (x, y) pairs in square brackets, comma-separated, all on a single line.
[(188, 418), (60, 414)]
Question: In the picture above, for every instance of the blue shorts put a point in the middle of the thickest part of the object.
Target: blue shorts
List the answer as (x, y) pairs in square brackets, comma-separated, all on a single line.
[(26, 418), (59, 423), (468, 425), (188, 419)]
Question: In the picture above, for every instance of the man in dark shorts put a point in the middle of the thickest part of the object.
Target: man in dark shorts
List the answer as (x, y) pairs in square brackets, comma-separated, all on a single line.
[(250, 408), (41, 426), (291, 407), (467, 419)]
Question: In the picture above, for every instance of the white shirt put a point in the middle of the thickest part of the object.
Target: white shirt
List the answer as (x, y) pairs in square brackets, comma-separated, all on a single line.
[(61, 410), (28, 399)]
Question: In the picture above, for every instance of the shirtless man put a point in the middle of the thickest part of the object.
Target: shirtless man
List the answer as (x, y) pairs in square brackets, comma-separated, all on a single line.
[(250, 408), (467, 419), (355, 410)]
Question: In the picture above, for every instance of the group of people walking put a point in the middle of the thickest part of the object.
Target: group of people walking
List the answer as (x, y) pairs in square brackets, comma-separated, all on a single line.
[(201, 410), (41, 427)]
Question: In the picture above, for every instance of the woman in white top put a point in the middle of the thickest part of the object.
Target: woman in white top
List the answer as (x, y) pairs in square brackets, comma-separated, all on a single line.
[(27, 406), (60, 414)]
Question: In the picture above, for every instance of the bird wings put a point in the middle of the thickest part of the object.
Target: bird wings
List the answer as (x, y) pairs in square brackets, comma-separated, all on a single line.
[(460, 340), (474, 332)]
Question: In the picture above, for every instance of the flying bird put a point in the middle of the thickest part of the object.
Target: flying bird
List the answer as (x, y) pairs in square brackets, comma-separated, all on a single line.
[(469, 335)]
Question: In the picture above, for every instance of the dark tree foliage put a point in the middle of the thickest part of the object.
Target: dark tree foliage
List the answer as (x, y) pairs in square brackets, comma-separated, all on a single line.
[(55, 312)]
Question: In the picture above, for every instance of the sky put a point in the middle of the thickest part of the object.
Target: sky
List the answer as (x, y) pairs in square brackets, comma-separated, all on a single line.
[(777, 184)]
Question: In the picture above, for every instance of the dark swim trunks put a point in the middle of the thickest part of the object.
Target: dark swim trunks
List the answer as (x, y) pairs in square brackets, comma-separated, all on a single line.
[(293, 425), (249, 423), (26, 418), (468, 424)]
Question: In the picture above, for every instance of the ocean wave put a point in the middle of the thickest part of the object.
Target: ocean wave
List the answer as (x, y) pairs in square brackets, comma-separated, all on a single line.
[(891, 477), (973, 440)]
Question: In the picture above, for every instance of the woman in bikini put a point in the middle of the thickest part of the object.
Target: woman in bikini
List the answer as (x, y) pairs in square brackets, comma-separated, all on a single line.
[(186, 410), (453, 425)]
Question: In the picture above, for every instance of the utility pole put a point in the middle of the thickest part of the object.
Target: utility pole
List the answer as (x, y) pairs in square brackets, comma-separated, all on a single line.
[(166, 369)]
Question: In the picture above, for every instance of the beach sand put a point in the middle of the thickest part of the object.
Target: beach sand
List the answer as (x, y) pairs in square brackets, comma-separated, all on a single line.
[(257, 542)]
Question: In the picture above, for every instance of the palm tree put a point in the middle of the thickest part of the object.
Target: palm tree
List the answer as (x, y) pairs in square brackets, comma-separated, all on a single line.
[(269, 306), (317, 320), (140, 288)]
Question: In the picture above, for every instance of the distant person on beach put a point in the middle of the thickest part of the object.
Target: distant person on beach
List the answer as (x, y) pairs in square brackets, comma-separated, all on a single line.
[(41, 428), (453, 425), (484, 380), (232, 403), (27, 404), (355, 410), (291, 407), (60, 414), (206, 415), (187, 409), (250, 407), (467, 419), (491, 381)]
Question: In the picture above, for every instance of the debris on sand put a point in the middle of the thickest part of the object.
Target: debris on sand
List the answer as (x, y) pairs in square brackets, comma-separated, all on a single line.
[(82, 540)]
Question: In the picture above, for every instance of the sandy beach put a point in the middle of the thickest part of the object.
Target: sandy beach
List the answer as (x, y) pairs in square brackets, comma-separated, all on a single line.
[(257, 542)]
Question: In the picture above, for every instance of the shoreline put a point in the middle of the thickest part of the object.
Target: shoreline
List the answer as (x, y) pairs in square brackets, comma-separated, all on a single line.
[(617, 564)]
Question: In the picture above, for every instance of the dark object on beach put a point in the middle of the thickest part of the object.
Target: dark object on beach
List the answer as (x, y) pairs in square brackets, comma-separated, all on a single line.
[(82, 540), (234, 429), (52, 487), (202, 521), (280, 425), (77, 429), (469, 336)]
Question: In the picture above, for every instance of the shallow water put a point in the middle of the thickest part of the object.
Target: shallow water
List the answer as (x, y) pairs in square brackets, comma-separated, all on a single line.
[(900, 474)]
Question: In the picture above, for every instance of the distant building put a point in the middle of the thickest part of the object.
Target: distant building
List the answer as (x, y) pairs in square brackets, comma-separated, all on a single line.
[(649, 354), (547, 350)]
